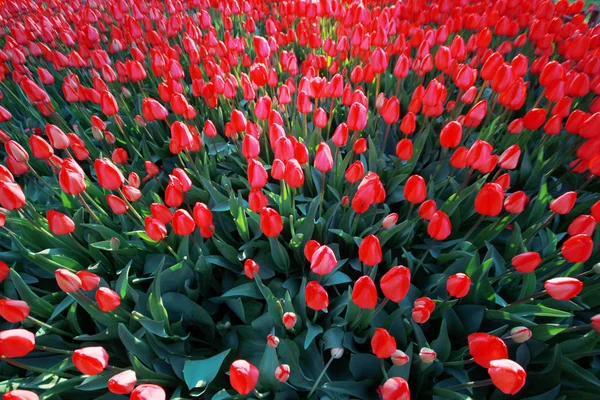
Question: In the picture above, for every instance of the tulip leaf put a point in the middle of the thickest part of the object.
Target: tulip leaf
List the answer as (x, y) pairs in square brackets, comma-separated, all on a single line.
[(200, 373), (37, 304)]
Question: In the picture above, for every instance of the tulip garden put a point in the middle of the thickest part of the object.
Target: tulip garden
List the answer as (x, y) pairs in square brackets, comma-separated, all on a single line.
[(297, 199)]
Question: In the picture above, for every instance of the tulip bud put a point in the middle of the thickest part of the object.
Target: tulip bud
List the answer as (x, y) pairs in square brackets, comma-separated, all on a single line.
[(337, 352), (282, 373), (250, 268), (507, 375), (20, 395), (526, 262), (427, 356), (67, 281), (59, 223), (369, 251), (148, 392), (563, 288), (395, 389), (439, 226), (595, 321), (420, 314), (595, 268), (107, 299), (90, 360), (577, 248), (415, 190), (383, 344), (272, 341), (243, 376), (316, 296), (389, 221), (395, 284), (399, 358), (458, 285), (115, 244), (271, 223), (364, 293), (14, 311), (16, 343), (520, 334), (89, 280), (4, 271), (489, 200), (122, 383), (289, 320), (564, 203)]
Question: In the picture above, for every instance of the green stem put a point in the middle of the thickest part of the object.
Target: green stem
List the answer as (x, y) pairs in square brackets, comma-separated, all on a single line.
[(312, 390), (472, 384)]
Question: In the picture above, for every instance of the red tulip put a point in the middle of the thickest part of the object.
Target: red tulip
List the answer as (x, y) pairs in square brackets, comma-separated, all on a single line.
[(251, 268), (395, 284), (489, 200), (257, 175), (340, 136), (316, 296), (16, 343), (20, 394), (243, 376), (107, 299), (485, 348), (564, 203), (116, 204), (451, 135), (595, 321), (390, 111), (510, 157), (148, 392), (67, 281), (357, 117), (11, 196), (383, 344), (89, 280), (40, 148), (90, 360), (108, 103), (322, 260), (4, 271), (123, 382), (355, 171), (563, 288), (395, 389), (420, 314), (408, 124), (427, 209), (271, 223), (404, 149), (516, 202), (323, 159), (202, 215), (109, 176), (289, 320), (507, 375), (415, 190), (526, 262), (364, 293), (439, 227), (59, 223), (459, 158), (14, 311), (458, 285), (369, 251), (155, 229), (582, 225), (16, 151), (183, 223), (534, 118)]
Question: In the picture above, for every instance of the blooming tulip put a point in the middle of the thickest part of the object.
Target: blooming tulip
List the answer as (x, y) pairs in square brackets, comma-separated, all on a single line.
[(395, 388), (395, 284), (90, 360), (243, 376)]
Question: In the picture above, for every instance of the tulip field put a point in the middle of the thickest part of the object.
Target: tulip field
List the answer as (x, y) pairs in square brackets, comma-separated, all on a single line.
[(299, 199)]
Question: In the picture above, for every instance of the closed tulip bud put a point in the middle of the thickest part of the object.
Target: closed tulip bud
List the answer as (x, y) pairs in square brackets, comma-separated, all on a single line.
[(257, 200), (278, 169), (404, 149), (123, 382), (415, 190), (251, 268), (420, 314), (439, 227), (116, 204), (427, 356), (11, 196), (90, 360), (337, 352), (485, 348), (504, 181), (155, 229), (395, 389), (364, 293), (20, 395), (390, 111), (320, 118), (526, 262), (282, 373), (16, 151), (383, 344), (510, 158), (183, 223), (459, 158), (184, 179), (395, 284), (369, 251), (289, 320), (14, 311), (563, 204), (108, 103), (389, 221), (360, 146), (59, 223), (109, 176), (516, 202), (399, 358), (451, 135), (520, 334), (272, 341), (323, 159), (202, 215), (323, 260), (107, 299), (67, 281), (257, 175), (427, 209), (271, 223), (408, 124), (563, 288), (489, 200), (340, 136), (582, 225), (119, 156), (16, 343), (355, 171), (316, 296), (294, 175), (40, 148), (310, 248), (250, 147), (345, 201), (534, 118), (4, 271), (458, 285), (508, 376), (595, 321), (89, 280), (148, 392), (357, 117)]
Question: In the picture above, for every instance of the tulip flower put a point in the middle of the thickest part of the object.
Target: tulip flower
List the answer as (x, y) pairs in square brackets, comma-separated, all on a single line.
[(251, 268), (122, 383), (282, 373), (420, 314), (563, 288), (383, 344), (489, 200), (107, 299), (399, 358), (516, 202), (404, 149), (564, 203), (316, 296), (458, 285), (148, 392), (577, 248), (395, 388), (4, 271), (11, 196), (323, 159), (395, 283), (59, 223), (90, 360), (155, 229), (507, 375), (20, 395), (271, 223), (582, 225), (451, 135), (427, 356), (364, 293), (183, 223), (357, 117), (369, 251), (16, 343), (89, 280), (243, 376), (289, 320), (439, 226), (526, 262), (595, 321), (485, 348), (415, 190), (67, 281), (14, 311)]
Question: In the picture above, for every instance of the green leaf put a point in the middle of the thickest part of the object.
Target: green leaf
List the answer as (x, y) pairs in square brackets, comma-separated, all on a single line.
[(442, 345), (267, 366), (136, 346), (155, 303), (38, 305), (272, 303), (313, 331), (280, 256), (245, 290), (200, 373)]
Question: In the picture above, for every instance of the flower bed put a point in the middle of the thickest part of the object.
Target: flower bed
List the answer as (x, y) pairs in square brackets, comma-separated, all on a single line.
[(299, 199)]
